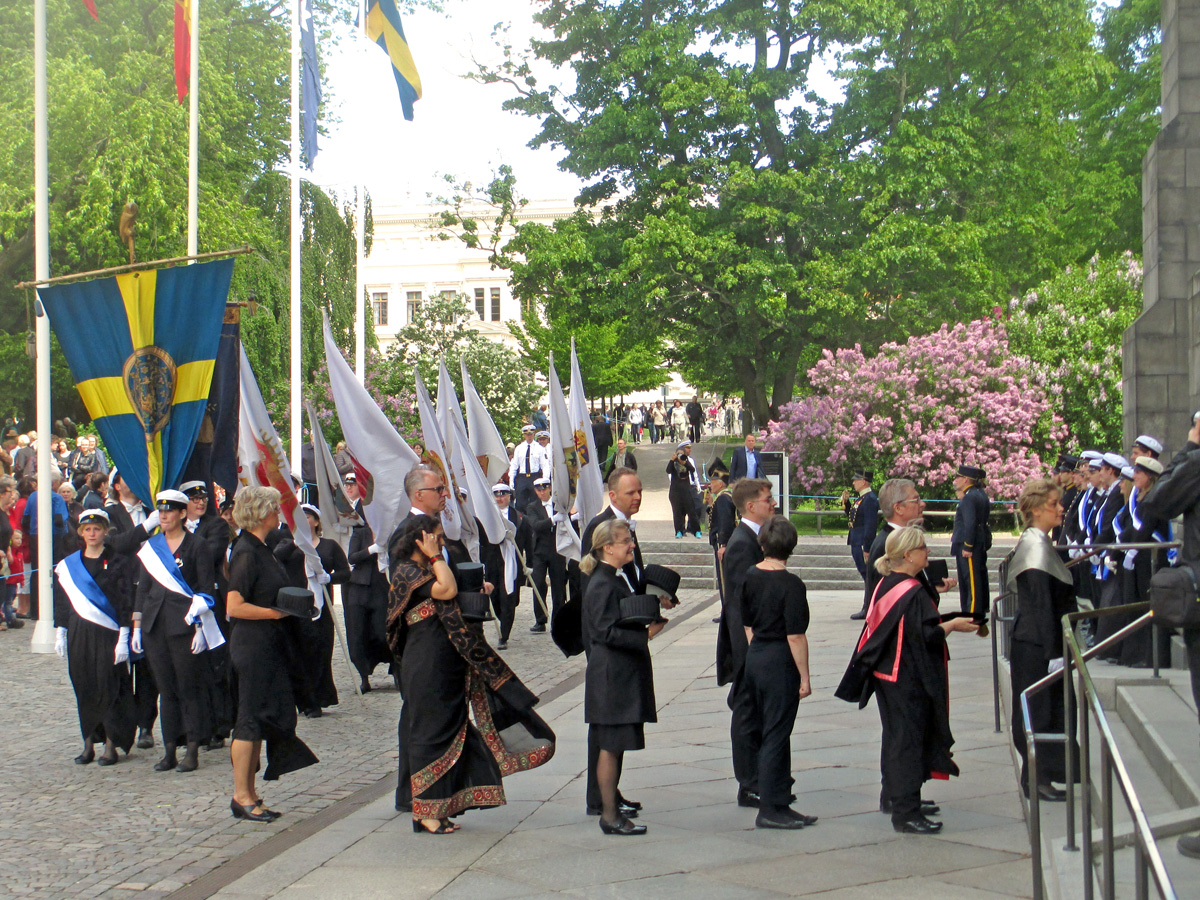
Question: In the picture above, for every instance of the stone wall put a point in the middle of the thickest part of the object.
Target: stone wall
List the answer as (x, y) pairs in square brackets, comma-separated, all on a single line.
[(1162, 348)]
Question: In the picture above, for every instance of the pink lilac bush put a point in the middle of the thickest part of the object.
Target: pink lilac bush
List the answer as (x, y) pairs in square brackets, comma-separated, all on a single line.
[(919, 409)]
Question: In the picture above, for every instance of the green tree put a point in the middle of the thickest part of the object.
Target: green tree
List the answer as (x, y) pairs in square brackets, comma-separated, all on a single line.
[(745, 222)]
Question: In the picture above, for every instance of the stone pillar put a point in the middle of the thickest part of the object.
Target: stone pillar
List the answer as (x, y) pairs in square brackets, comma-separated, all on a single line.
[(1161, 350)]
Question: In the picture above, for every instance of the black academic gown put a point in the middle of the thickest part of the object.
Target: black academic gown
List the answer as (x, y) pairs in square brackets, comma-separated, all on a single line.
[(365, 605), (103, 688)]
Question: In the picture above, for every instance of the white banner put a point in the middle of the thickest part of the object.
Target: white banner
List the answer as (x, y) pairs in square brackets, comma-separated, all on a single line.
[(338, 517), (485, 437), (564, 467), (589, 483), (453, 519), (381, 457)]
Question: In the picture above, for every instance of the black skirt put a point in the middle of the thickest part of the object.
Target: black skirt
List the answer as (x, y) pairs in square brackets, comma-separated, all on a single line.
[(619, 738), (103, 691), (266, 707)]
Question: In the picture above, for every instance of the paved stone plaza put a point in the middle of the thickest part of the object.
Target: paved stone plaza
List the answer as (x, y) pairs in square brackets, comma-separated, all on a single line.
[(127, 832)]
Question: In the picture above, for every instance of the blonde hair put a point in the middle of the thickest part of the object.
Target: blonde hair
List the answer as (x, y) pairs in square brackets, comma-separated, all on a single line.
[(899, 542), (252, 505), (605, 535), (1036, 493)]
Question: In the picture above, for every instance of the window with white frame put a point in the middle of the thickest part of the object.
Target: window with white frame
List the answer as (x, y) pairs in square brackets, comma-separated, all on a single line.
[(413, 299), (379, 307)]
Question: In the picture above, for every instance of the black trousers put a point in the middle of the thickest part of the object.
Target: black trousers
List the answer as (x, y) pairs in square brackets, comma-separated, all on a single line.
[(720, 575), (973, 585), (523, 489), (1027, 663), (745, 730), (683, 508), (182, 677), (694, 432), (774, 685), (860, 560), (220, 693), (556, 570), (594, 800), (145, 695), (505, 605), (1191, 640)]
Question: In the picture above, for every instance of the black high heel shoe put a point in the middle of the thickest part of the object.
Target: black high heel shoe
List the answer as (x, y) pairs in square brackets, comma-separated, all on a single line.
[(623, 826), (248, 813), (443, 828)]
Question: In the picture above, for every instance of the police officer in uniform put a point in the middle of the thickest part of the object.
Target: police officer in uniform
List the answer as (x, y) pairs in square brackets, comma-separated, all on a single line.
[(863, 513), (970, 542), (529, 463)]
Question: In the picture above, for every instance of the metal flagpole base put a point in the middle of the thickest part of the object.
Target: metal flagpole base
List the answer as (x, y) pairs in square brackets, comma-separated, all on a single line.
[(43, 636)]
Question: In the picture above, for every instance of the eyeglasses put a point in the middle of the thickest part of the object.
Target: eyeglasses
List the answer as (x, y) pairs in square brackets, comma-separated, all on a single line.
[(440, 489), (910, 500)]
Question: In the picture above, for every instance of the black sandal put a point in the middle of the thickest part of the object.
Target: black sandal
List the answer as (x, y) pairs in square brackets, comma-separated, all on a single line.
[(443, 828)]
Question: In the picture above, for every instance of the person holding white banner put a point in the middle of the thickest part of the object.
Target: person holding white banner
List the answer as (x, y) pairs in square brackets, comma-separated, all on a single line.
[(172, 616), (92, 608)]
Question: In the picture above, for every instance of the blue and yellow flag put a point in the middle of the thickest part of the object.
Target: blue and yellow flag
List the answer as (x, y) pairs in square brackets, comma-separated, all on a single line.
[(141, 348), (384, 28)]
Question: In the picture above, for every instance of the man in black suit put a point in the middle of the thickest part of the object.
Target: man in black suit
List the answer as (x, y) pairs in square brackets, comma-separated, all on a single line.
[(695, 414), (547, 562), (752, 497), (863, 514), (722, 521), (492, 556), (364, 601), (601, 436), (745, 463)]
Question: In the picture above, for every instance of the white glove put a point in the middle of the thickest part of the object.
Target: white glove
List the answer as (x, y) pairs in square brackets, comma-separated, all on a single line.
[(60, 642), (151, 521), (122, 654), (199, 645), (322, 578), (558, 517), (1110, 564), (1054, 666), (196, 610), (135, 643), (376, 549), (1130, 556)]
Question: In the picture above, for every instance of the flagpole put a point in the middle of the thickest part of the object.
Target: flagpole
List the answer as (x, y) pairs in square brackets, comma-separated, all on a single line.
[(295, 242), (43, 633), (193, 130), (360, 328)]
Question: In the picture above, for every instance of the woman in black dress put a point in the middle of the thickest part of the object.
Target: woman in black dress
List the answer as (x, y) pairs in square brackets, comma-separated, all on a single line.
[(1045, 593), (92, 593), (175, 585), (775, 614), (449, 676), (902, 650), (618, 696), (259, 652), (683, 492)]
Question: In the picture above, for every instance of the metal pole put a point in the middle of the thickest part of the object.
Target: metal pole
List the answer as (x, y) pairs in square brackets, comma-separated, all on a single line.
[(1139, 870), (294, 343), (1085, 795), (43, 635), (194, 131), (1154, 648), (1108, 882), (134, 267), (337, 629), (996, 678), (1068, 714), (360, 328)]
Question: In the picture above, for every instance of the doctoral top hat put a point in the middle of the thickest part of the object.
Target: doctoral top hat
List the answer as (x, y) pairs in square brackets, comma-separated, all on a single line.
[(972, 472)]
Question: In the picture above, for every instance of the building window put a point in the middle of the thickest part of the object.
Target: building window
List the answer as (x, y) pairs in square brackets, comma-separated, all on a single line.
[(479, 307), (495, 305), (414, 301), (379, 304), (448, 295)]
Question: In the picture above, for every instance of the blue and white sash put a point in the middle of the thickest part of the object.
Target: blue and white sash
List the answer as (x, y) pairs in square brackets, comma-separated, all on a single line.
[(1163, 536), (88, 601), (159, 561)]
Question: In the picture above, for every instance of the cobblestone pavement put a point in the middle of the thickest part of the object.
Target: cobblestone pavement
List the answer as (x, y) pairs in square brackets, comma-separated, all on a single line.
[(72, 831)]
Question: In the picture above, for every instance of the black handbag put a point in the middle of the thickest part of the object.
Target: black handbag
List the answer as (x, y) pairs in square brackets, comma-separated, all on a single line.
[(1175, 596)]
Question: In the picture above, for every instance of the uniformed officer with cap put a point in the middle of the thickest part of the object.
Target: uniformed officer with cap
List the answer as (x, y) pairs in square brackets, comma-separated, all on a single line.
[(863, 514), (529, 462), (970, 542)]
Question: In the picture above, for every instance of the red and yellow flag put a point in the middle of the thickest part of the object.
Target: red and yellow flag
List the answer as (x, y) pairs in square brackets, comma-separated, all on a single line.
[(183, 46)]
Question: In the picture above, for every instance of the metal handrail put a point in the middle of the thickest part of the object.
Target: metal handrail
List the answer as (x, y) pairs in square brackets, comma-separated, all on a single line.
[(1147, 859)]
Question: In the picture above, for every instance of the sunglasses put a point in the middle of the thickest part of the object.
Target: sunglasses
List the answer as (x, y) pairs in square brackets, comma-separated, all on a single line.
[(440, 489)]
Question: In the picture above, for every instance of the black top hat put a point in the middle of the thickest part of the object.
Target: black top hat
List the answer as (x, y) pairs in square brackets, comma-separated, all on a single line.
[(971, 472), (295, 602), (1066, 463), (860, 475), (661, 579), (640, 609), (718, 469), (475, 607), (469, 576)]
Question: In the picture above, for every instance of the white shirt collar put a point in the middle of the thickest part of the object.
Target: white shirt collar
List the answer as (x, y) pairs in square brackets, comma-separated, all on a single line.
[(621, 517), (753, 526)]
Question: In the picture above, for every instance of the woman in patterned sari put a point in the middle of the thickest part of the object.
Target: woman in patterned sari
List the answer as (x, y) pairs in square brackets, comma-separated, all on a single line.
[(468, 720)]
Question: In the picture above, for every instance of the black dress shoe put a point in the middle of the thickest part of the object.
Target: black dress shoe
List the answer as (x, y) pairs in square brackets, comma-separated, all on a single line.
[(859, 616), (314, 713), (807, 820), (539, 628), (248, 813), (107, 760), (84, 758), (747, 798), (625, 801), (215, 743), (1049, 794), (166, 764), (502, 644), (365, 687), (917, 825), (628, 810), (928, 807), (145, 740), (778, 819), (623, 827)]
